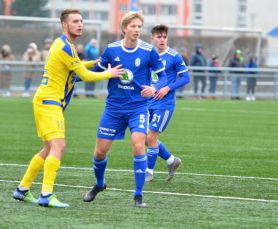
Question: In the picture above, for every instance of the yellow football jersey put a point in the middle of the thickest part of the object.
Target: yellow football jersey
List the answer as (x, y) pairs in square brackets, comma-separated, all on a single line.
[(62, 66)]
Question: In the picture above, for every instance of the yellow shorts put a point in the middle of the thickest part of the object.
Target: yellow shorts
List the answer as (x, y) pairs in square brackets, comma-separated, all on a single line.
[(49, 120)]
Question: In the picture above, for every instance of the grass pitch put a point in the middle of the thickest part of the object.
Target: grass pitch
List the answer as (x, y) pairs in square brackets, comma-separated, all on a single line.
[(228, 178)]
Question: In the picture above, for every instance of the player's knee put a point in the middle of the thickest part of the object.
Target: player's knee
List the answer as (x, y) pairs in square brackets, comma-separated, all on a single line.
[(100, 153), (58, 146), (45, 151), (151, 140), (63, 147), (138, 148)]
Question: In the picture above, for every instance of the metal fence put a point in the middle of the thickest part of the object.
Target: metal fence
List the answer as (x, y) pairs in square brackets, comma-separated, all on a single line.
[(267, 80)]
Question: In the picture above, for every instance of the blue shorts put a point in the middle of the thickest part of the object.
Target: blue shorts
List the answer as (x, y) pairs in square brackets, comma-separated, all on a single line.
[(113, 124), (159, 119)]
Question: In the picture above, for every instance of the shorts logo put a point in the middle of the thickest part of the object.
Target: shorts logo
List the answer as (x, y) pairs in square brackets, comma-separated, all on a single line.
[(142, 126), (137, 62), (127, 77), (106, 131)]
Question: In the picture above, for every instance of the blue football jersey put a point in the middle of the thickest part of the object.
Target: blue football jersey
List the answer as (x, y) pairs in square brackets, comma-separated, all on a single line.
[(174, 68), (124, 92)]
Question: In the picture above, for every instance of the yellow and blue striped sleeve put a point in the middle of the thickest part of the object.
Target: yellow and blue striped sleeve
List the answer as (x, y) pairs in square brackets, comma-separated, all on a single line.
[(74, 64), (89, 64)]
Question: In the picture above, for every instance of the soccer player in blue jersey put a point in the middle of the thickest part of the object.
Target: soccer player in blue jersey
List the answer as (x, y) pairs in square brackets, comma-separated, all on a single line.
[(162, 110), (127, 102), (50, 100)]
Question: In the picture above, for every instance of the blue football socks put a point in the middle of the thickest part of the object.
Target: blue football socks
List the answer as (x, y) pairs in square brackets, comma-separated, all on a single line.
[(152, 157), (99, 169), (140, 165), (163, 151)]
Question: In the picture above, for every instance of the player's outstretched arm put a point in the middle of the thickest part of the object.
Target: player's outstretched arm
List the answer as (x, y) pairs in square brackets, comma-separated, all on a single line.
[(91, 63), (89, 76)]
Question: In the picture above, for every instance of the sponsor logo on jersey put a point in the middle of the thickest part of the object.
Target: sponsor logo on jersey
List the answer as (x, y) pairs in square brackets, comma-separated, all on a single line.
[(154, 77), (117, 59), (126, 87), (127, 77)]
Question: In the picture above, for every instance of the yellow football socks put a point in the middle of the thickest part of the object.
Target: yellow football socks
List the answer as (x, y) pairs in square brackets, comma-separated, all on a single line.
[(35, 165), (51, 166)]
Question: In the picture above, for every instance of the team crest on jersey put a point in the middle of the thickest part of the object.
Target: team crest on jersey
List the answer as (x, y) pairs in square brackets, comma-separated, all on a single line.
[(127, 77), (44, 80), (154, 77), (164, 63), (137, 62)]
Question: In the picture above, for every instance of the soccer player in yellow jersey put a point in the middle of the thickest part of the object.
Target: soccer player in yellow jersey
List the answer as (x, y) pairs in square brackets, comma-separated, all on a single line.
[(51, 98)]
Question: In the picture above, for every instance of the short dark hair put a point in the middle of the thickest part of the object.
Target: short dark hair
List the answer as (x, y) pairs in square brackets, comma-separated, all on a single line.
[(65, 13), (159, 29)]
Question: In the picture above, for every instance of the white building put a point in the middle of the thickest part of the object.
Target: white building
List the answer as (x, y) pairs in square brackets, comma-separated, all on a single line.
[(256, 14), (218, 13)]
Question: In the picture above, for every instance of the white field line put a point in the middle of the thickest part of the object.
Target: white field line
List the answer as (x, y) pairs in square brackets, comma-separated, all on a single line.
[(161, 193), (201, 109), (237, 111), (159, 172)]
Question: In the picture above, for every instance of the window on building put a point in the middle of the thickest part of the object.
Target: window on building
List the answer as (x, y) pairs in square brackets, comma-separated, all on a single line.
[(95, 1), (123, 7), (198, 11), (165, 9), (168, 9), (148, 9), (85, 14), (242, 9), (100, 15), (242, 13)]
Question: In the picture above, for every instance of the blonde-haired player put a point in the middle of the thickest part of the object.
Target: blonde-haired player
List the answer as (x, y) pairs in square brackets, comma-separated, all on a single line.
[(52, 97), (127, 102)]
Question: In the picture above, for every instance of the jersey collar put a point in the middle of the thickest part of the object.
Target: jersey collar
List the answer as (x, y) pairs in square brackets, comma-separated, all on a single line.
[(130, 50), (162, 53)]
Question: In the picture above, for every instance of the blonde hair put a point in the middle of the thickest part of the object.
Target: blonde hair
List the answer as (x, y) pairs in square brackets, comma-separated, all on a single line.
[(129, 16)]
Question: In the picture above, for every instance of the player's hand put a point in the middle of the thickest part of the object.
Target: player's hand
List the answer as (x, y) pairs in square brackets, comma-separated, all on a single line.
[(95, 62), (148, 91), (116, 71), (161, 93)]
